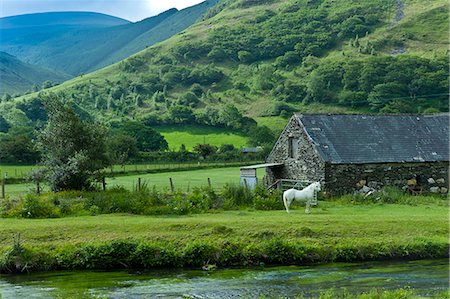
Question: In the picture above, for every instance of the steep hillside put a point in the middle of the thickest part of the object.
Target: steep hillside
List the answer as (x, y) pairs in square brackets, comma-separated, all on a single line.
[(18, 77), (56, 40), (263, 58)]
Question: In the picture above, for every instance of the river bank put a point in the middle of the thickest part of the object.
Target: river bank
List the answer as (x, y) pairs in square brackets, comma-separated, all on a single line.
[(332, 232)]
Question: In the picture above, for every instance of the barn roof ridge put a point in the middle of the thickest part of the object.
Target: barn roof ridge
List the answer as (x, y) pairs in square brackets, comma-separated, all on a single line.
[(378, 138), (373, 114)]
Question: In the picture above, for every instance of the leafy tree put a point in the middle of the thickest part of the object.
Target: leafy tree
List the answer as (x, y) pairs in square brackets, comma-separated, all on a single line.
[(225, 148), (4, 125), (245, 56), (261, 135), (189, 99), (18, 149), (383, 94), (181, 114), (122, 148), (205, 150), (73, 151), (34, 109), (147, 139)]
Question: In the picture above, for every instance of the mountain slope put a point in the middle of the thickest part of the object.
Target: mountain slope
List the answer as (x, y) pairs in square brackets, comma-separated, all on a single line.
[(171, 25), (18, 77), (56, 43), (268, 58)]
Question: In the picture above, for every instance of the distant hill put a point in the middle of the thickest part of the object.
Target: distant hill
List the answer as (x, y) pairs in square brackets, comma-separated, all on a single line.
[(248, 60), (79, 42), (34, 22), (17, 76)]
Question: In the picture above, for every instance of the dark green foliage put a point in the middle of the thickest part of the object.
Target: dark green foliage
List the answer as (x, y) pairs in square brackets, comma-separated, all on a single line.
[(235, 196), (134, 65), (383, 84), (146, 138), (151, 255), (17, 146), (122, 148), (123, 254), (34, 110), (205, 150), (189, 99), (305, 29), (4, 125), (204, 75), (73, 150), (181, 114), (261, 135)]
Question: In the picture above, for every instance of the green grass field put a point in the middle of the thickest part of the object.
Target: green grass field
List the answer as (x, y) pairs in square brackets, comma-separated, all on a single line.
[(21, 171), (191, 135), (327, 225), (275, 123), (183, 180)]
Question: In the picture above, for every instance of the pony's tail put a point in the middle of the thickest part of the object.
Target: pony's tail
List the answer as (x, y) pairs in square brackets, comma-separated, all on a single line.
[(285, 202)]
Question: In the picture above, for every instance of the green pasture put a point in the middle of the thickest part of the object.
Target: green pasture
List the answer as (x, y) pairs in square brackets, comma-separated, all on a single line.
[(21, 171), (275, 123), (182, 180), (330, 224), (191, 135)]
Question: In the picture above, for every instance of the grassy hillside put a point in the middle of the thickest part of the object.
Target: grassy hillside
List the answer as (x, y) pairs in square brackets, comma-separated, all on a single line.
[(57, 40), (18, 76), (191, 135), (266, 58)]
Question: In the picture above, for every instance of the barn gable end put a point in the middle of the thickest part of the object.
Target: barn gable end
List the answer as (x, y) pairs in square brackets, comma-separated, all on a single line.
[(304, 163)]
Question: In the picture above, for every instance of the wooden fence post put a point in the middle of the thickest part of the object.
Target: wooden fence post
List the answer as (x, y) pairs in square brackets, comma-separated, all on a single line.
[(139, 184), (3, 188), (171, 185), (209, 183), (104, 183), (38, 188)]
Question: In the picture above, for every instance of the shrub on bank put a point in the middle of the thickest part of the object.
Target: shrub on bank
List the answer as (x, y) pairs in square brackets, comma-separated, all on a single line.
[(124, 254)]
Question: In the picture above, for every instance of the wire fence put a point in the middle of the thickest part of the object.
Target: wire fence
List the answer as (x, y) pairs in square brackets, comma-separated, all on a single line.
[(22, 171)]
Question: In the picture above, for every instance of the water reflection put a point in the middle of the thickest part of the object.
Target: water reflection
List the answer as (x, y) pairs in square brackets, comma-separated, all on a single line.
[(425, 277)]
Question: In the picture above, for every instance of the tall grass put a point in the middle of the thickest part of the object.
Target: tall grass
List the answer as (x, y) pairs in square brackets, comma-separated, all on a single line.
[(142, 201)]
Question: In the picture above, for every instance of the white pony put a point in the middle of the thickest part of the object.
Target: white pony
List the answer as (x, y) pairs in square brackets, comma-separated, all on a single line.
[(308, 194)]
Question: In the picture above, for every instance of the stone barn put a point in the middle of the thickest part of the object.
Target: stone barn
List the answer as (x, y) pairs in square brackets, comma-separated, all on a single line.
[(352, 152)]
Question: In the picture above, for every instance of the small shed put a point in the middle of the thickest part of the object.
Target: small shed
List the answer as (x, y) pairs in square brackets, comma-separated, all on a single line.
[(249, 174), (350, 152)]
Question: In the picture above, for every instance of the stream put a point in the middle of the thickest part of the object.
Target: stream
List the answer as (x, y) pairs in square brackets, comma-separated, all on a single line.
[(425, 277)]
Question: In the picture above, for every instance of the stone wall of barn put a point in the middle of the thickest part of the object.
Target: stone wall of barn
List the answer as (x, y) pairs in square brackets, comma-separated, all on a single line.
[(306, 166), (348, 178)]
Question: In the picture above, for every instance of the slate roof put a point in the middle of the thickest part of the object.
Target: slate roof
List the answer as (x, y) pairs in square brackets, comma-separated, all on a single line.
[(357, 139)]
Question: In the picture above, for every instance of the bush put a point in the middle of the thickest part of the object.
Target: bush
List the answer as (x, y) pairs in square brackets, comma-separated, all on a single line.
[(235, 196), (34, 206), (266, 200)]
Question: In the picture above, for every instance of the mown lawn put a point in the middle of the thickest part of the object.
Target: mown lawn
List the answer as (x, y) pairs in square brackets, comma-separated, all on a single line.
[(330, 224)]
